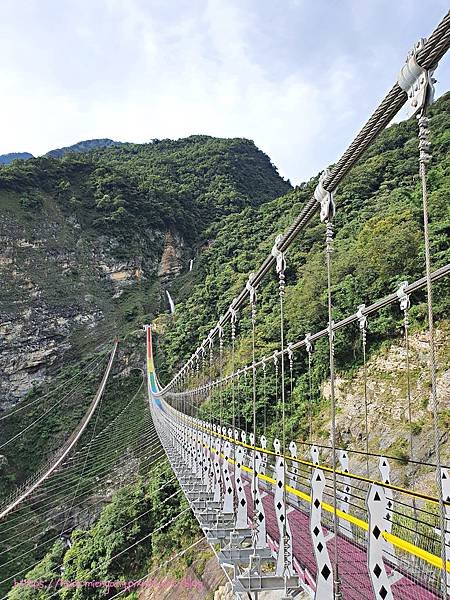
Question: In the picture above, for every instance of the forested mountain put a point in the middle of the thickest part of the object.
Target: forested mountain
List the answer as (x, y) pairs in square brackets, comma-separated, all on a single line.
[(88, 238), (93, 240), (5, 159), (84, 146), (89, 242)]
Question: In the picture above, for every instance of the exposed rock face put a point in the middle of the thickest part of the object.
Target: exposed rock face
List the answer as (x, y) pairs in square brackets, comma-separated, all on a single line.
[(387, 405), (171, 261), (58, 288)]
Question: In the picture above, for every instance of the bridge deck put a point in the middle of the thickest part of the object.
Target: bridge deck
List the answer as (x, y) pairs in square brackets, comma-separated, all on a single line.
[(355, 580)]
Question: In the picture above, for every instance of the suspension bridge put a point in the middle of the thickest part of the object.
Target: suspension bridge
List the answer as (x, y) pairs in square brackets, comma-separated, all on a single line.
[(282, 515)]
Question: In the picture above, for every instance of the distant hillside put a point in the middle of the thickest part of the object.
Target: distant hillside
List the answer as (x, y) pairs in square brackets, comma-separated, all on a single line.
[(84, 146), (5, 159), (95, 235), (88, 245)]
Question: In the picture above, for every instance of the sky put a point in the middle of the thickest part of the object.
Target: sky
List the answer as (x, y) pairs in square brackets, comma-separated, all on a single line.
[(298, 77)]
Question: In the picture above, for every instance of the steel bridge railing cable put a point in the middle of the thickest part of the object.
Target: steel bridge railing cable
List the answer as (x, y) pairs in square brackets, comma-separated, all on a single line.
[(70, 471), (96, 483), (90, 572), (158, 568), (70, 442), (22, 407), (376, 306), (428, 57), (50, 408), (66, 530), (147, 456), (118, 554)]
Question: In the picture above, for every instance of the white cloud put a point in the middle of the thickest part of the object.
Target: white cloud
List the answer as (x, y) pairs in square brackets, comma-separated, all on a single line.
[(137, 70)]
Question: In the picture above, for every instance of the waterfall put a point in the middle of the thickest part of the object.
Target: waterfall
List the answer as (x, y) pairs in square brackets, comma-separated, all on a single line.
[(191, 263), (171, 302)]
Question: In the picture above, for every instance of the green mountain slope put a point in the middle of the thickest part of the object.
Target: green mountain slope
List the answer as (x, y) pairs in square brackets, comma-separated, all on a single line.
[(99, 236), (87, 239), (378, 244)]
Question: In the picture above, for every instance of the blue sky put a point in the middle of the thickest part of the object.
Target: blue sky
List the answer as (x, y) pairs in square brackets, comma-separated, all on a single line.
[(299, 77)]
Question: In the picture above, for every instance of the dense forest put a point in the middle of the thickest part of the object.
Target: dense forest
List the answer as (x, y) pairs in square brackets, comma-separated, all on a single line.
[(378, 244), (228, 203)]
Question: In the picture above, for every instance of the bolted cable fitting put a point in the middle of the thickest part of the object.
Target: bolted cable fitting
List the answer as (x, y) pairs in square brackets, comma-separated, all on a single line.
[(362, 318), (278, 255), (403, 296), (308, 343), (424, 140), (290, 352), (251, 289), (325, 198), (416, 81)]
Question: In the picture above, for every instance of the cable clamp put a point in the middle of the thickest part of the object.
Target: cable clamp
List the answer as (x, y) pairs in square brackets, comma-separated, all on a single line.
[(362, 318), (220, 328), (279, 255), (325, 198), (416, 81), (308, 343), (290, 350), (403, 296), (330, 330), (233, 312), (251, 289)]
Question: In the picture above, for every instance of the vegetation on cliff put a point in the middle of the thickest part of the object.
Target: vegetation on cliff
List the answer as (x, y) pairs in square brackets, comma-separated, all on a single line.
[(378, 244), (226, 193)]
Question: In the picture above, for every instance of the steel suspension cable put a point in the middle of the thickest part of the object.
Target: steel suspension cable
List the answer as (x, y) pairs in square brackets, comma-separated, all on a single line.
[(376, 306), (45, 413), (428, 57), (80, 498), (110, 558), (71, 441), (255, 533), (159, 567), (362, 319), (68, 484), (424, 159), (15, 410), (327, 214), (73, 470), (65, 530)]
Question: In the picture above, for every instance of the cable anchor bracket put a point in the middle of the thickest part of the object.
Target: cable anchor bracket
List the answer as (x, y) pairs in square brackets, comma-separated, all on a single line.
[(251, 289), (279, 255), (362, 318), (308, 343), (403, 296), (416, 81), (325, 198)]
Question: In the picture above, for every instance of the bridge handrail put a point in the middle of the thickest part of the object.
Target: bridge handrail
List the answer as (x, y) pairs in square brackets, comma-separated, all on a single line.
[(412, 549), (428, 57), (438, 274), (34, 482), (307, 463)]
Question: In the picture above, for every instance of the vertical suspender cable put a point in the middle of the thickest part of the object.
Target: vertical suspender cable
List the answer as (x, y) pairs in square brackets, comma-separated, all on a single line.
[(425, 157), (327, 214), (252, 293), (362, 320), (281, 267)]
